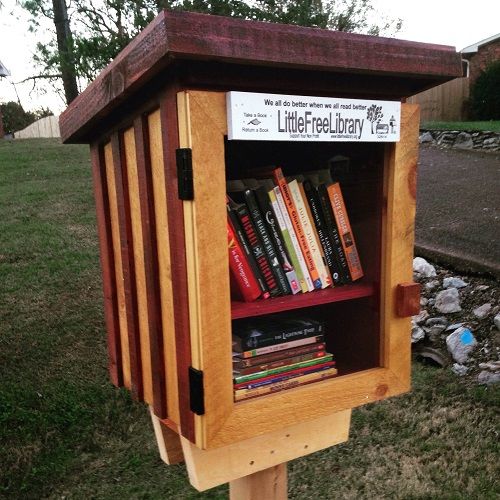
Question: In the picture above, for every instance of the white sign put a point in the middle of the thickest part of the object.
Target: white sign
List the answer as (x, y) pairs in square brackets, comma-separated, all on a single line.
[(273, 117)]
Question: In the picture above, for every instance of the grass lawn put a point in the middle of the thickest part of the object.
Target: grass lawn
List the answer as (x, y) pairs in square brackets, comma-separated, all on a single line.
[(65, 432), (490, 126)]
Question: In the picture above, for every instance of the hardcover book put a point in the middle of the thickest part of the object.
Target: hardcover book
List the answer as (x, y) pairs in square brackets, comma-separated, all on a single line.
[(277, 347)]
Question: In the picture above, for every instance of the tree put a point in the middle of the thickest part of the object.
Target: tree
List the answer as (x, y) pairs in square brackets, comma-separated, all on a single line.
[(16, 118), (485, 94), (101, 29), (374, 114)]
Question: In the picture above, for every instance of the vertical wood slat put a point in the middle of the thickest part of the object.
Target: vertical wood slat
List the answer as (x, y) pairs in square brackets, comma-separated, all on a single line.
[(117, 257), (128, 266), (151, 291), (164, 271), (107, 264), (170, 136)]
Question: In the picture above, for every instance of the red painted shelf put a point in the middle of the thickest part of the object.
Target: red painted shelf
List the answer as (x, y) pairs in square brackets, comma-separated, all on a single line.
[(319, 297)]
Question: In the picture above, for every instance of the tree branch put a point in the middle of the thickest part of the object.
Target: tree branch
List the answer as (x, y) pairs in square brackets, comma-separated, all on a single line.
[(39, 77)]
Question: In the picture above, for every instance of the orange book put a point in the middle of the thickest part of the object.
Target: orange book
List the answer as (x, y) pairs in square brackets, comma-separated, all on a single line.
[(345, 231), (294, 216)]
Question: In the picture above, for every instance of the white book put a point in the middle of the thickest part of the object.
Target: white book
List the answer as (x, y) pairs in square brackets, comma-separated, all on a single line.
[(293, 237), (310, 233)]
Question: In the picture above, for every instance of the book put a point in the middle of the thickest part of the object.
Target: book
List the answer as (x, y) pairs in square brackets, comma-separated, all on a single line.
[(241, 273), (266, 241), (284, 376), (333, 233), (264, 332), (241, 378), (273, 226), (294, 217), (313, 199), (286, 361), (279, 347), (242, 394), (240, 363), (240, 235), (345, 231), (309, 286)]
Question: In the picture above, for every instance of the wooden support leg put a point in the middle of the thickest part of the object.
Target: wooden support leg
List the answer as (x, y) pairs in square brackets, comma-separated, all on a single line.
[(169, 443), (268, 484)]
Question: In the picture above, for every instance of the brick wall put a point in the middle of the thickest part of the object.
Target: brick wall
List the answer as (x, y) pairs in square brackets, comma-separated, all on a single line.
[(484, 56)]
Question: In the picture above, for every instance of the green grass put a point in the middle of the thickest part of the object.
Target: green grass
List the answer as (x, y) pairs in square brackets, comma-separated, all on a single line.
[(490, 126), (65, 432)]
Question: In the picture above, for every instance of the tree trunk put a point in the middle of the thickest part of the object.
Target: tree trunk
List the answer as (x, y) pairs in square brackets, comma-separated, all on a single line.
[(64, 46)]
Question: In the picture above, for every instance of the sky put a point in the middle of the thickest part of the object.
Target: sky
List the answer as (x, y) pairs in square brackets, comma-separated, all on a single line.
[(446, 22)]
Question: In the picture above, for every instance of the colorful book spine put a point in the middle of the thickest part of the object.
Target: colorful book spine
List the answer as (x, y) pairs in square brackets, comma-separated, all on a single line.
[(266, 241), (243, 394), (314, 201), (239, 379), (345, 231), (295, 241), (313, 349), (280, 347), (294, 216), (334, 234)]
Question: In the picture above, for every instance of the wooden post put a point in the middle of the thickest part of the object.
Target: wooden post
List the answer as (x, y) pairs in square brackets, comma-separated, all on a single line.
[(268, 484)]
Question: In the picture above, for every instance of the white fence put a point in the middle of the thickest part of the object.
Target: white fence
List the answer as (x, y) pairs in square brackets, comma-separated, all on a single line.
[(45, 127)]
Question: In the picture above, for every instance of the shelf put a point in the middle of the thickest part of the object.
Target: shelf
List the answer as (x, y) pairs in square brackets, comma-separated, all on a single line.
[(319, 297)]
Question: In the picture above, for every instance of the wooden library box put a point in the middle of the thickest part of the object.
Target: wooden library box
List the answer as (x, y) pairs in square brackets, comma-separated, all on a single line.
[(167, 136)]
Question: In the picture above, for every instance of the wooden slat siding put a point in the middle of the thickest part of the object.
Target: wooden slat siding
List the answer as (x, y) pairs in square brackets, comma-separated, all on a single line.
[(151, 274), (120, 290), (170, 139), (159, 197), (128, 270), (188, 36), (137, 242), (107, 264)]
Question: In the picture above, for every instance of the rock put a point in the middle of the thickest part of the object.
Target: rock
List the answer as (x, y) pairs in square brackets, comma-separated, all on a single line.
[(420, 317), (425, 138), (493, 366), (482, 288), (464, 141), (482, 312), (460, 344), (454, 327), (439, 320), (432, 354), (434, 332), (454, 283), (448, 301), (417, 334), (423, 268), (423, 301), (459, 369), (496, 320), (431, 284), (487, 378)]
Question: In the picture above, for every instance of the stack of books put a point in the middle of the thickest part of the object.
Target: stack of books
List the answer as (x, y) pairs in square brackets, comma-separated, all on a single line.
[(272, 354), (288, 235)]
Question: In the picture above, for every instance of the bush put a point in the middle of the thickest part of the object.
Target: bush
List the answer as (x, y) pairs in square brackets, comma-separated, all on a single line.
[(15, 118), (485, 94)]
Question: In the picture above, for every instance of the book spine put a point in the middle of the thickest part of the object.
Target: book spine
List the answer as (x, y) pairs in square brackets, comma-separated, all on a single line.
[(267, 338), (239, 379), (284, 376), (295, 242), (285, 362), (281, 347), (266, 242), (257, 249), (345, 231), (294, 216), (240, 235), (240, 269), (274, 231), (314, 201), (334, 234), (297, 191)]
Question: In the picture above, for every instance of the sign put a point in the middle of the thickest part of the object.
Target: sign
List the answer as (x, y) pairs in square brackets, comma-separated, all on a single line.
[(274, 117)]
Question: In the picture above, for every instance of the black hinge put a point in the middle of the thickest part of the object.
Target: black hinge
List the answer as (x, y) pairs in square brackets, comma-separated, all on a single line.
[(184, 173), (196, 392)]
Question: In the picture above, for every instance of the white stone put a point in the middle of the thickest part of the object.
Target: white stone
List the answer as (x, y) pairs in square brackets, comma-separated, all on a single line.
[(486, 377), (423, 301), (464, 141), (417, 334), (454, 327), (426, 137), (482, 312), (459, 369), (454, 283), (420, 317), (460, 344), (448, 301), (482, 288), (423, 268), (496, 320), (431, 284)]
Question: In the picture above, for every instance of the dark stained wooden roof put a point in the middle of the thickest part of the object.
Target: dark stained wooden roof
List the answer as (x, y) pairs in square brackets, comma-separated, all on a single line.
[(179, 37)]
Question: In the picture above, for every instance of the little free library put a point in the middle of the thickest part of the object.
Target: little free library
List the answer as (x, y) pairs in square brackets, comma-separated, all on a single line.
[(255, 192)]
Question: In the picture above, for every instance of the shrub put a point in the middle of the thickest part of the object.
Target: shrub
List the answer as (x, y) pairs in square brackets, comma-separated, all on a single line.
[(485, 94), (15, 118)]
